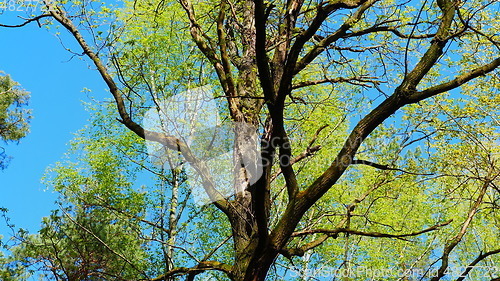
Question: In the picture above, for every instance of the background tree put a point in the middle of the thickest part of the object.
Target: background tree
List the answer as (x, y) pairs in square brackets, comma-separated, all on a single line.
[(14, 117), (410, 96)]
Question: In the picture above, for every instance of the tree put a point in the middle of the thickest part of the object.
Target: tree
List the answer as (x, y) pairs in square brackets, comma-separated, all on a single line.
[(14, 118), (409, 90), (82, 240)]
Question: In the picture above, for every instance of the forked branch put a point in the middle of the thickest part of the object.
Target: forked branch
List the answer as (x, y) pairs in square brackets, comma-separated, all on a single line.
[(168, 141), (27, 21), (333, 233), (453, 242), (193, 271)]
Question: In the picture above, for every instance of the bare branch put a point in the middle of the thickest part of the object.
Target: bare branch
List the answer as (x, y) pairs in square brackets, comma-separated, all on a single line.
[(334, 232), (360, 81), (453, 242), (323, 44), (394, 30), (26, 21), (201, 267), (385, 167)]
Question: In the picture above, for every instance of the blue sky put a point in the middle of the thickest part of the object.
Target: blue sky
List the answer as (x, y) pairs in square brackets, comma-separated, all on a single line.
[(35, 58)]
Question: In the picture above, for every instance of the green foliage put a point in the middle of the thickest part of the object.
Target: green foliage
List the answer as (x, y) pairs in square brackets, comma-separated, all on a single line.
[(90, 238), (113, 222), (14, 117), (399, 208)]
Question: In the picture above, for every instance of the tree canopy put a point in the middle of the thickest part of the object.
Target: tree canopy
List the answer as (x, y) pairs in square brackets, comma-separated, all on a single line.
[(14, 117), (347, 139)]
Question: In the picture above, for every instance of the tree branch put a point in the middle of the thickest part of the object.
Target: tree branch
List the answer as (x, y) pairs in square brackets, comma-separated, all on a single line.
[(392, 29), (385, 167), (305, 199), (166, 140), (201, 267), (26, 21), (455, 83), (300, 251), (433, 53), (323, 44), (306, 153), (260, 51), (333, 233), (361, 81), (226, 65), (453, 242), (222, 68), (481, 257)]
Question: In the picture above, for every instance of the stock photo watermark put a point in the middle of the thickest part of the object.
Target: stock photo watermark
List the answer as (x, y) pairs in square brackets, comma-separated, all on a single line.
[(226, 148), (30, 6), (391, 272)]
